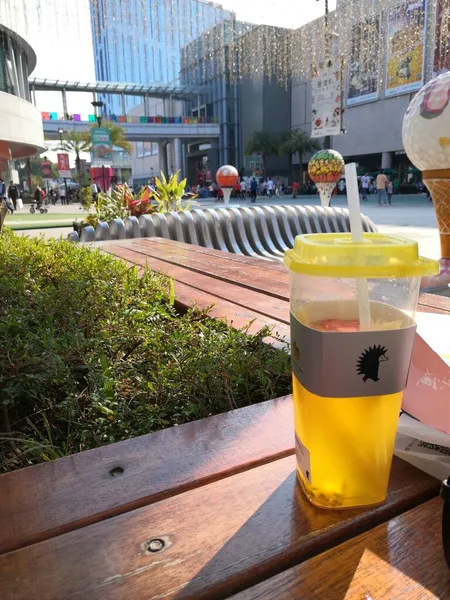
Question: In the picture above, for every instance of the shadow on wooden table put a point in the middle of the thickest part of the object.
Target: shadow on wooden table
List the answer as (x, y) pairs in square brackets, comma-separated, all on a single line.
[(286, 530), (400, 559)]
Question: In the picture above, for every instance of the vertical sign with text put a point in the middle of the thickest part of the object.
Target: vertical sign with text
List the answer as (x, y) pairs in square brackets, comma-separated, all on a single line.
[(101, 145), (326, 116), (64, 165)]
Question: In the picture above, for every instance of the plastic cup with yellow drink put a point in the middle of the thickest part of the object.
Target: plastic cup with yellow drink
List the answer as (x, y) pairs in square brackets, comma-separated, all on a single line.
[(348, 380)]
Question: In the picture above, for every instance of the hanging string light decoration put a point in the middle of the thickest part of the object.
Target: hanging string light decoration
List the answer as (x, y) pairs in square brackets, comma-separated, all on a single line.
[(210, 40)]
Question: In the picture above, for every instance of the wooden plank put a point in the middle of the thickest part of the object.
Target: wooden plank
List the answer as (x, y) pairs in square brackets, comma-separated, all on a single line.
[(434, 302), (250, 299), (52, 498), (268, 277), (220, 539), (255, 277), (230, 256), (399, 560), (236, 316)]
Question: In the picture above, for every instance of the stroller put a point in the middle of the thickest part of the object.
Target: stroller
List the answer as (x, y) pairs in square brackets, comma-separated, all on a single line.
[(40, 205)]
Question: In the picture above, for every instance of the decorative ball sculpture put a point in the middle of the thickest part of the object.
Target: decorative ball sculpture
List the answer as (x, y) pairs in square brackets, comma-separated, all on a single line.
[(425, 125), (325, 168), (227, 177)]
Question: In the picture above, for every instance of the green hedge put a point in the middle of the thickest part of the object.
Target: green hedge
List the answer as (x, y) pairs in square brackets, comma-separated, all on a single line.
[(93, 353)]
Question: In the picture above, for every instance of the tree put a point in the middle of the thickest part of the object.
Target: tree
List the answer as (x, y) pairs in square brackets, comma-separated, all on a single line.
[(297, 142), (77, 142), (118, 138), (265, 142)]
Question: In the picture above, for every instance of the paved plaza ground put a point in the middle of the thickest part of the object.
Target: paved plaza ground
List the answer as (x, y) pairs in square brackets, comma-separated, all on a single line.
[(410, 216)]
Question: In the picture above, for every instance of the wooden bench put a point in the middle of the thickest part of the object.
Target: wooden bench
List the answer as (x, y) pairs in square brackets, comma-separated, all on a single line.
[(211, 509)]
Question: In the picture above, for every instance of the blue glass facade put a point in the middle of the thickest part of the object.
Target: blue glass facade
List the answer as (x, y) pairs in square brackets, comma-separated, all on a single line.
[(139, 41)]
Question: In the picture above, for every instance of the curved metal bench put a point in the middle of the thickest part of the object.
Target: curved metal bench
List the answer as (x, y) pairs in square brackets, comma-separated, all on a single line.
[(264, 231)]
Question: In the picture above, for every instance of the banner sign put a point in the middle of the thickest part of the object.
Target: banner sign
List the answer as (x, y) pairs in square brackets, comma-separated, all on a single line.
[(46, 169), (253, 162), (326, 117), (101, 144), (363, 70), (442, 41), (406, 47), (64, 165)]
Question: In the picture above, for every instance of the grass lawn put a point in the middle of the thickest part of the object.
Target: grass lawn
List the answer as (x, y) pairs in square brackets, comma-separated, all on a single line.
[(39, 221)]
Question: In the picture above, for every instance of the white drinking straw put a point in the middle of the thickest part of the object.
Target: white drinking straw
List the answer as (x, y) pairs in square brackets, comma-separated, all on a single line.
[(362, 288)]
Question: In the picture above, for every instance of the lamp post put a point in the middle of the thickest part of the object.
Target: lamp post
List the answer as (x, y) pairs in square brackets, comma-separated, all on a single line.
[(98, 105), (60, 132)]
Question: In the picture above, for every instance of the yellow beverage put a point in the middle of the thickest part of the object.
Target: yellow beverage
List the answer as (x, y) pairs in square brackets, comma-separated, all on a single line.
[(350, 442), (353, 305)]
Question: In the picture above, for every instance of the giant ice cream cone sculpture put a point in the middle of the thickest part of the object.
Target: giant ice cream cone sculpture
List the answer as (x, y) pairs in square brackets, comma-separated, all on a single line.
[(325, 168), (227, 177), (425, 125)]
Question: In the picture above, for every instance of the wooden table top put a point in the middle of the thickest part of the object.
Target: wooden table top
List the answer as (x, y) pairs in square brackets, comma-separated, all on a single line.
[(217, 498), (398, 560)]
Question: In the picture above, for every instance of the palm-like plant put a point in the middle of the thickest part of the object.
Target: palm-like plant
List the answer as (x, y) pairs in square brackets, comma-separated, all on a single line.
[(118, 138), (297, 142), (265, 142), (76, 142)]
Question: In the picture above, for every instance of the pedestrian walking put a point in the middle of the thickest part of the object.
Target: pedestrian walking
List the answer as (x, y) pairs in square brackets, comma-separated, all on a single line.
[(243, 189), (277, 188), (13, 194), (382, 182), (365, 183), (390, 191), (270, 186), (3, 196), (62, 194), (295, 187), (253, 189)]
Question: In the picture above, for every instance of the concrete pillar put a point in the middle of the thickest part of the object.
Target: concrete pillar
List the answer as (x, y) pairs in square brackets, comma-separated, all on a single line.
[(146, 105), (124, 110), (33, 95), (163, 163), (386, 160), (179, 157), (64, 101)]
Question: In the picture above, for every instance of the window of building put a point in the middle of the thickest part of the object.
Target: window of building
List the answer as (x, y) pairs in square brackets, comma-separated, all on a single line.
[(6, 81), (140, 149)]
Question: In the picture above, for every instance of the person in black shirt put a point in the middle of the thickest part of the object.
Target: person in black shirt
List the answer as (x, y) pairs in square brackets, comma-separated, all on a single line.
[(13, 193)]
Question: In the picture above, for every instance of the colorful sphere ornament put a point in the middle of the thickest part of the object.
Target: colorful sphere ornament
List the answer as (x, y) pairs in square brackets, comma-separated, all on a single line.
[(325, 168), (227, 177)]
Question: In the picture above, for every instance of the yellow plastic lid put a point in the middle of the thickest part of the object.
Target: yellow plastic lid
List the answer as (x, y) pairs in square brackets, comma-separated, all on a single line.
[(378, 256)]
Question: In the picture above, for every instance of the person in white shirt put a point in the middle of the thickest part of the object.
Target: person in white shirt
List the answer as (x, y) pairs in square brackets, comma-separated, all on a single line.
[(243, 189), (270, 187), (365, 182)]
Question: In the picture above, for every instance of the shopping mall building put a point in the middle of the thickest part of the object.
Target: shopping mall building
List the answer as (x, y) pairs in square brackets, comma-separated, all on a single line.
[(21, 132), (373, 117), (374, 99)]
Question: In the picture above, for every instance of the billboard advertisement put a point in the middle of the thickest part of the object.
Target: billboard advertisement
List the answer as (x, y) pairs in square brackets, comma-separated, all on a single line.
[(405, 47), (63, 165), (326, 100), (442, 41), (363, 70), (101, 144), (46, 169)]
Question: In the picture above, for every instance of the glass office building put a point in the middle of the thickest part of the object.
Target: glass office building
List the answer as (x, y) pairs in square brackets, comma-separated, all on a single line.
[(138, 41)]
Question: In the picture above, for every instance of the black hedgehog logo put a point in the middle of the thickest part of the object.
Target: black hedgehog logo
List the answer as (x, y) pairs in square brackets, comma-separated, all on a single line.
[(369, 362)]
